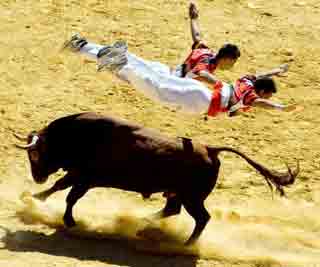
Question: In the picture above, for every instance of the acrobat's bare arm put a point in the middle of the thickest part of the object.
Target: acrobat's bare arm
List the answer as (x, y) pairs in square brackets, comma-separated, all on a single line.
[(279, 71), (194, 15), (268, 104), (207, 77)]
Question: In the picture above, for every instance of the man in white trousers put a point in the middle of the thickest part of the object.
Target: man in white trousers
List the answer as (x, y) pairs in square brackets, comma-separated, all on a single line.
[(156, 82)]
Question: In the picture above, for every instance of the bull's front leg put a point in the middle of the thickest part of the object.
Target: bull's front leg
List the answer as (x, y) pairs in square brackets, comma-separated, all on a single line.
[(76, 192), (61, 184)]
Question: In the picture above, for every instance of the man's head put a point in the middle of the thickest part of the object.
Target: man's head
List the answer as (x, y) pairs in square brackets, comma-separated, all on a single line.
[(264, 87), (227, 56)]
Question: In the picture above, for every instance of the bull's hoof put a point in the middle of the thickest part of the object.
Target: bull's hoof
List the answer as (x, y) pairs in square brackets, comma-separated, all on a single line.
[(69, 222)]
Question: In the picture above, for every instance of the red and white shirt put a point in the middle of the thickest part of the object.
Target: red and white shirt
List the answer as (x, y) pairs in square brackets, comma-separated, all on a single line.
[(244, 91), (244, 94), (220, 98), (200, 58)]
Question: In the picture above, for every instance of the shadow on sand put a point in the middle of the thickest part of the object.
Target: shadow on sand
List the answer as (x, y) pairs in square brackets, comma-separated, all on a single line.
[(117, 252)]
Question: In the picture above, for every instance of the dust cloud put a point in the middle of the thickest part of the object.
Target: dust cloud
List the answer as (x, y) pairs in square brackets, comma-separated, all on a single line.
[(278, 231)]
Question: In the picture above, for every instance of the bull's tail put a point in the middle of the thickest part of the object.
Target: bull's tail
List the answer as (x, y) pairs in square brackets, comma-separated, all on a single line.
[(278, 179)]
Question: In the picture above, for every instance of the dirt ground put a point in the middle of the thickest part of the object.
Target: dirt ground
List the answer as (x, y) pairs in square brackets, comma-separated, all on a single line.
[(248, 228)]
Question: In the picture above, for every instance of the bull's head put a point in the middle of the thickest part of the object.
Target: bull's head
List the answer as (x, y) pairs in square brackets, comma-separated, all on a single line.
[(41, 165)]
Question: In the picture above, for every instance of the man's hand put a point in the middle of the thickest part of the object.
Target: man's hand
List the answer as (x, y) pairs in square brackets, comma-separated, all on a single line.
[(193, 11), (293, 108), (282, 70)]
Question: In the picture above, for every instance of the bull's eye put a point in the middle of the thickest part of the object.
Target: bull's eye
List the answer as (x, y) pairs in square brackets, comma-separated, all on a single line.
[(34, 155)]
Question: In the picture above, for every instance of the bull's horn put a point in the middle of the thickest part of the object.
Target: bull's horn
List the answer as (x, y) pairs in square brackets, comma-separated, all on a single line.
[(20, 137), (33, 142)]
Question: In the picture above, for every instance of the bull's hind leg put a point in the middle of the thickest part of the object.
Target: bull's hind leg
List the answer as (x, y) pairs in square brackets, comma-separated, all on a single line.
[(194, 201), (197, 210), (76, 192), (172, 207), (61, 184)]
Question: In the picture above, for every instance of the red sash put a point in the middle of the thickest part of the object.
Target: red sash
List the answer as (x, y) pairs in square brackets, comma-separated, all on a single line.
[(215, 104)]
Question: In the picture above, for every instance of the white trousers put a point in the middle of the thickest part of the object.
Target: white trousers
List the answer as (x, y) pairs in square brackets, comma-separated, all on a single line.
[(155, 81)]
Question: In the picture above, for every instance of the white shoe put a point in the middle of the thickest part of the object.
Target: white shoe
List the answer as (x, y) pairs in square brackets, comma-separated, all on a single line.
[(113, 57), (75, 43)]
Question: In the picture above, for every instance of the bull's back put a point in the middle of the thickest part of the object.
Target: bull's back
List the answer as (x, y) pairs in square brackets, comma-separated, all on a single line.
[(125, 155)]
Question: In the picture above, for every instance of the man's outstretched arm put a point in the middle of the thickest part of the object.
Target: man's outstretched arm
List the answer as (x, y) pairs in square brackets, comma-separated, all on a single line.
[(268, 104), (276, 71), (194, 15)]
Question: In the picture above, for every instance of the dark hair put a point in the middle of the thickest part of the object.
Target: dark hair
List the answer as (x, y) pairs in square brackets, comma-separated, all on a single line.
[(228, 51), (266, 84)]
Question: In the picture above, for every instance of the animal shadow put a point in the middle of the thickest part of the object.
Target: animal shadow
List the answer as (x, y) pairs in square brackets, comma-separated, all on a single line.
[(113, 251)]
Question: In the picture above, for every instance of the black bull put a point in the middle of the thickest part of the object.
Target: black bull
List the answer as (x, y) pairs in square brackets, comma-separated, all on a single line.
[(103, 151)]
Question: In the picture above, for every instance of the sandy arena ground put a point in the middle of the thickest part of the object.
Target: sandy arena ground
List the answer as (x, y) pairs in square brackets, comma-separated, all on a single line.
[(248, 228)]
